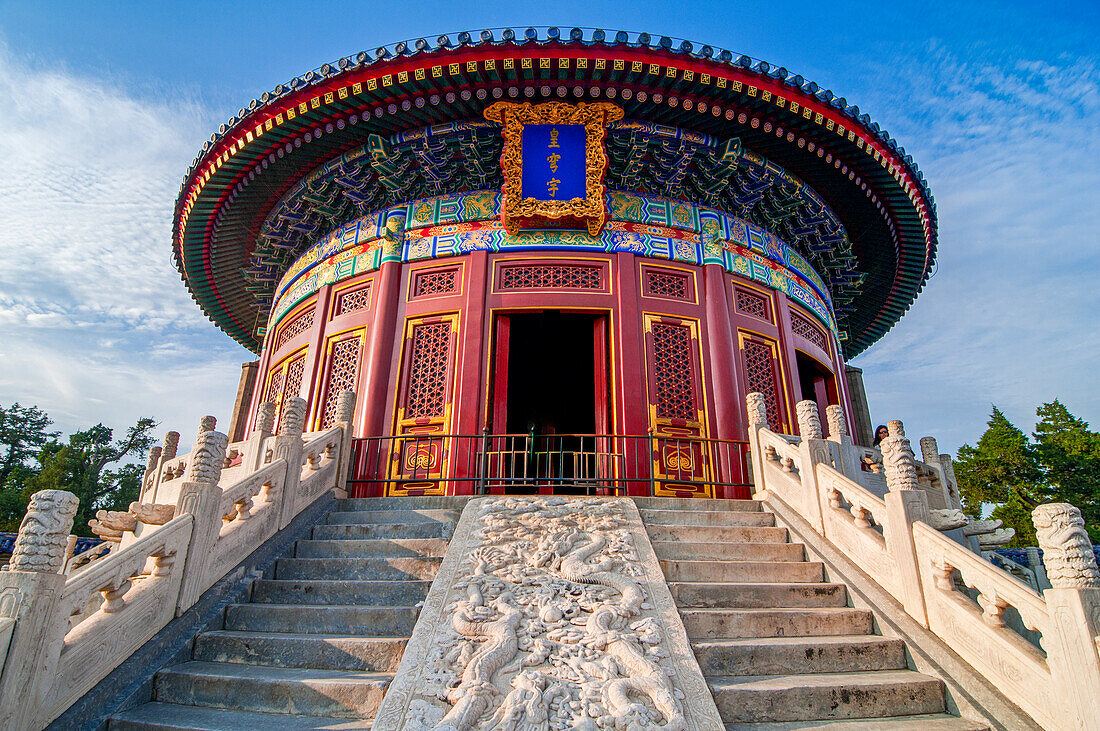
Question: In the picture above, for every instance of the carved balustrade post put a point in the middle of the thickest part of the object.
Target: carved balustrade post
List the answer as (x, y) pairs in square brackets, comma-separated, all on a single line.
[(261, 432), (758, 419), (1035, 563), (1073, 606), (166, 454), (148, 480), (847, 460), (814, 450), (930, 455), (30, 592), (200, 496), (906, 503), (345, 415), (288, 445)]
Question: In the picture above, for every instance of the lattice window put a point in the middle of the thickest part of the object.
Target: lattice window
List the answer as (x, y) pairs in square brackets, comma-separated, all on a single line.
[(803, 327), (293, 383), (343, 375), (275, 387), (750, 303), (668, 284), (428, 366), (352, 300), (294, 328), (435, 282), (550, 276), (760, 377), (673, 372)]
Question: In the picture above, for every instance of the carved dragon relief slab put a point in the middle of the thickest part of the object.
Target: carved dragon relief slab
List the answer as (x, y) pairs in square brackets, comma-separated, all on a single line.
[(549, 613)]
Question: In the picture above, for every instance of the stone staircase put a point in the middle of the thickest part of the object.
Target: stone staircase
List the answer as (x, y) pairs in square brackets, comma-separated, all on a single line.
[(778, 645), (318, 644)]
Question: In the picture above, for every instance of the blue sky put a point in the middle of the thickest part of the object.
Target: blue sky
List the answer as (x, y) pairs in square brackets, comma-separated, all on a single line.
[(107, 103)]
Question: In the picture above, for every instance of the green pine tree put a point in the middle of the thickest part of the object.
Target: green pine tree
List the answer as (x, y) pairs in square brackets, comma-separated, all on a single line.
[(1069, 457), (1002, 470), (80, 466)]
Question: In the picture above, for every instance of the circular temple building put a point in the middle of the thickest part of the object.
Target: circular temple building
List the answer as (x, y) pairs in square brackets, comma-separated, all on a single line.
[(553, 260)]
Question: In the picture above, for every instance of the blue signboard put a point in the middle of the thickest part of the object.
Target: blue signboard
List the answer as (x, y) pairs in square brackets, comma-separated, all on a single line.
[(553, 162)]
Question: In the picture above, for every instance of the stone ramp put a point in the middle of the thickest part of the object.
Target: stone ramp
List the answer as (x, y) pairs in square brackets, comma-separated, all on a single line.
[(779, 646), (549, 610), (317, 645)]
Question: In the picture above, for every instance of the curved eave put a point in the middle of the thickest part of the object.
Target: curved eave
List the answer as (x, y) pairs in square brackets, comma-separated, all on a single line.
[(895, 246)]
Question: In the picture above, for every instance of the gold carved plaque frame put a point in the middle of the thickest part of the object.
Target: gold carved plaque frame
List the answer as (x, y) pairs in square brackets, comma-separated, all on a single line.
[(517, 210)]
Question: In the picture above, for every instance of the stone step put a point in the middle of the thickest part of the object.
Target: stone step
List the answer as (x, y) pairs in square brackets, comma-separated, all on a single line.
[(795, 655), (360, 517), (176, 717), (321, 591), (706, 517), (357, 569), (720, 552), (826, 696), (361, 531), (780, 572), (740, 595), (306, 692), (921, 722), (372, 548), (284, 650), (696, 503), (799, 622), (321, 619), (740, 534), (430, 502)]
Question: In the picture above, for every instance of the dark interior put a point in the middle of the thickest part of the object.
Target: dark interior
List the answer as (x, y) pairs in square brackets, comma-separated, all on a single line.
[(551, 369)]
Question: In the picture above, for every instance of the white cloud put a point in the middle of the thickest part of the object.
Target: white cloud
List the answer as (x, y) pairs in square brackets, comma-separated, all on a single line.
[(1009, 148), (95, 324)]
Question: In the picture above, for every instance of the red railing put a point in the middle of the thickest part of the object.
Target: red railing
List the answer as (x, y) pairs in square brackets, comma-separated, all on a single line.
[(597, 464)]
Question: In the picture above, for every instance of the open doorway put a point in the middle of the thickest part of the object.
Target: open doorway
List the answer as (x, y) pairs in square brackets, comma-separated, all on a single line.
[(817, 383), (549, 386), (551, 374)]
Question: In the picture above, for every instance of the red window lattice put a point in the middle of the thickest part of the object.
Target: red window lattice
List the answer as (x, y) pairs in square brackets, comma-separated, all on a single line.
[(275, 387), (760, 377), (294, 328), (343, 373), (352, 300), (753, 304), (673, 372), (429, 283), (428, 365), (803, 327), (668, 284), (550, 276), (293, 383)]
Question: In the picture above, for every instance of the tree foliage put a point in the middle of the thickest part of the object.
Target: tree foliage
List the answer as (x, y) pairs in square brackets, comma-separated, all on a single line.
[(91, 464), (1013, 474)]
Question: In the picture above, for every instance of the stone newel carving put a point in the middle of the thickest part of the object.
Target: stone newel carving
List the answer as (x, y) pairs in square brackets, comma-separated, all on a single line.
[(1067, 549), (293, 418), (897, 459), (44, 532), (208, 457), (834, 417), (208, 423), (758, 409), (345, 407), (929, 450), (152, 460), (265, 418), (809, 421), (171, 443)]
